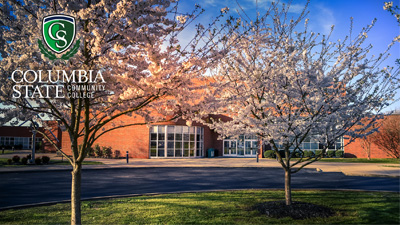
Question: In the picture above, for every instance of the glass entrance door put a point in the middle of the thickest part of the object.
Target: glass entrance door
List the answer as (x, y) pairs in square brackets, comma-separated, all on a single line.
[(251, 148), (230, 148), (242, 147)]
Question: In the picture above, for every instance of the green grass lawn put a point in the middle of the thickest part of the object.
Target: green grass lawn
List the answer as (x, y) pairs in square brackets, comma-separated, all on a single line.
[(3, 162), (6, 152), (216, 208)]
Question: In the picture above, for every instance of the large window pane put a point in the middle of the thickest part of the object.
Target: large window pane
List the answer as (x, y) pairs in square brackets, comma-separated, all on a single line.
[(182, 141), (153, 149), (161, 129), (178, 137), (170, 129), (191, 130), (170, 153), (186, 137)]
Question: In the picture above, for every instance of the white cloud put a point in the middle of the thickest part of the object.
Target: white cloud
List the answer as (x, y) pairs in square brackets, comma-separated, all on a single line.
[(323, 18), (296, 8)]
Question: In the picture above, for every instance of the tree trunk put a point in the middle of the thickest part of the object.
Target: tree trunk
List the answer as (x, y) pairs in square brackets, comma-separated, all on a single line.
[(76, 194), (288, 187)]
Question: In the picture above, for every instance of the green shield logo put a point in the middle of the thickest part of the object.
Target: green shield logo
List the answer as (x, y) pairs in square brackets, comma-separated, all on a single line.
[(58, 32)]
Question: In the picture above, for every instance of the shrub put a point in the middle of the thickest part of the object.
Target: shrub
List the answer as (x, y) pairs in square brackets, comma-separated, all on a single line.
[(9, 161), (91, 152), (309, 154), (24, 160), (297, 154), (330, 153), (45, 159), (107, 152), (97, 151), (38, 161), (29, 156), (269, 154), (117, 154), (15, 159), (339, 154), (318, 153)]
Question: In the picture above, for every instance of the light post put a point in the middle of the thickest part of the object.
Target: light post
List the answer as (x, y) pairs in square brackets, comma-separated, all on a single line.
[(34, 126), (33, 146)]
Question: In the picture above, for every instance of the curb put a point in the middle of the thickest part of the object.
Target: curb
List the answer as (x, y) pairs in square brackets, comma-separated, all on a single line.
[(139, 167), (178, 192), (101, 167)]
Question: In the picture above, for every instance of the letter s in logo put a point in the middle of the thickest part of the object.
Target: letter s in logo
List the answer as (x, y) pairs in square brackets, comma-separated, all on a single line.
[(58, 37)]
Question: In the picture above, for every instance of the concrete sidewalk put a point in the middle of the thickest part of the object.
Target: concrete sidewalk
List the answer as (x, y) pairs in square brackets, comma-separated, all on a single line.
[(350, 169)]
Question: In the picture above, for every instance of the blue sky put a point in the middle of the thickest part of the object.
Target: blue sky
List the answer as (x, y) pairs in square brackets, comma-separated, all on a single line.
[(323, 14)]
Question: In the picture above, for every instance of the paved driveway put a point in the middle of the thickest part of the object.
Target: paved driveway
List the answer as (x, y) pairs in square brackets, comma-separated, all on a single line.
[(19, 188)]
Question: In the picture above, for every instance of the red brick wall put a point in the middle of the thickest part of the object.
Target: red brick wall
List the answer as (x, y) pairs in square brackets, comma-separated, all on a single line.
[(8, 131), (55, 135), (136, 139), (355, 150)]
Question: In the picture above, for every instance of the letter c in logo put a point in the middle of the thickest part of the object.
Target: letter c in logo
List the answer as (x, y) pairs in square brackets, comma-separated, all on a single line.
[(58, 37)]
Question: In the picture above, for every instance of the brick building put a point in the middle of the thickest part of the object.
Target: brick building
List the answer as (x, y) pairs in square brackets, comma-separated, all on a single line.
[(20, 137), (166, 140), (357, 149)]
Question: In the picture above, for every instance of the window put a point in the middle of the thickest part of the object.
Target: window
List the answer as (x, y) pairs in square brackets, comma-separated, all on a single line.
[(245, 145), (176, 141), (25, 142)]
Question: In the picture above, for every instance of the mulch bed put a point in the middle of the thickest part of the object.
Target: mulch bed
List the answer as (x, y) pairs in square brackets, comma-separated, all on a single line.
[(298, 210)]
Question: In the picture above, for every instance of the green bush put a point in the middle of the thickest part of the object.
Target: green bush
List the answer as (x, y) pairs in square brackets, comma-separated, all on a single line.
[(297, 154), (269, 154), (318, 153), (330, 153), (97, 151), (38, 161), (107, 152), (9, 161), (309, 154), (24, 160), (16, 159), (339, 154), (45, 159), (29, 156)]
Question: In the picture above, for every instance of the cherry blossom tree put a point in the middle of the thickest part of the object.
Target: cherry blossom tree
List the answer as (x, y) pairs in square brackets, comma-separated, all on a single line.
[(285, 83), (132, 49)]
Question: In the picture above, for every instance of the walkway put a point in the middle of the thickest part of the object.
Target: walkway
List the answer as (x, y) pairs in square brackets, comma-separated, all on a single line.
[(351, 169)]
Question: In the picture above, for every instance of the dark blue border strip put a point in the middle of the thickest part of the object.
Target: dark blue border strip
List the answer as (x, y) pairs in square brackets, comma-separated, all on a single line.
[(58, 17)]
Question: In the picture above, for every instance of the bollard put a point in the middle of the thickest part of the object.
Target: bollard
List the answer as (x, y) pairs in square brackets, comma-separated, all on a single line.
[(127, 157)]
